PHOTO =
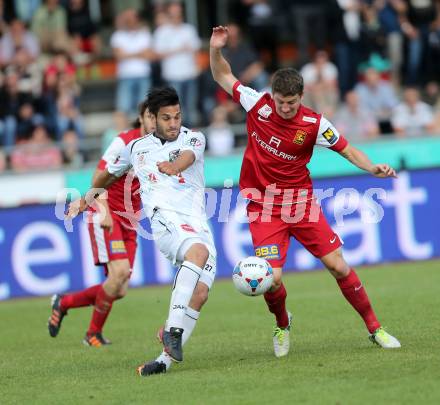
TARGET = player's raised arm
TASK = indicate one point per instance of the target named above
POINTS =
(101, 181)
(185, 160)
(103, 178)
(220, 68)
(361, 160)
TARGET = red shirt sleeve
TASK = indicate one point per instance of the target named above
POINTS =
(235, 92)
(340, 145)
(102, 164)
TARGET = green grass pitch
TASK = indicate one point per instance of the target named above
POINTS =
(229, 359)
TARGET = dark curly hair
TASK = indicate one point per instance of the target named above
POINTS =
(287, 82)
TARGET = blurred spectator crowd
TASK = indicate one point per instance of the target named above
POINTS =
(370, 66)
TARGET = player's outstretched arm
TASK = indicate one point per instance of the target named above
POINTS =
(361, 160)
(102, 179)
(103, 207)
(220, 68)
(185, 160)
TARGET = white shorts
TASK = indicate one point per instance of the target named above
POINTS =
(175, 233)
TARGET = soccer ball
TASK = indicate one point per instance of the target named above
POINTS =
(252, 276)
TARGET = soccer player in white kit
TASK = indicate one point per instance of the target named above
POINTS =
(169, 165)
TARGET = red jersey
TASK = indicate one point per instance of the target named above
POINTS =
(274, 168)
(123, 195)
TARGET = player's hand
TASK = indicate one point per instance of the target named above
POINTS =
(383, 170)
(107, 222)
(219, 37)
(168, 168)
(76, 207)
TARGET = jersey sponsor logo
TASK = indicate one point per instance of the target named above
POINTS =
(117, 246)
(300, 137)
(271, 149)
(187, 228)
(152, 177)
(330, 136)
(268, 252)
(274, 140)
(310, 119)
(265, 111)
(173, 155)
(141, 157)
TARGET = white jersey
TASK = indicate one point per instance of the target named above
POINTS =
(184, 193)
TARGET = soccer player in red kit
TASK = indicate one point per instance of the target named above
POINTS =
(112, 230)
(274, 177)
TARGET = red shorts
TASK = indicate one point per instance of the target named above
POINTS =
(271, 230)
(106, 246)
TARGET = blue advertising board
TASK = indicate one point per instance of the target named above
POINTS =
(379, 220)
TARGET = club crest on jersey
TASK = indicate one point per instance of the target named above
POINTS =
(330, 136)
(265, 111)
(195, 142)
(174, 154)
(300, 137)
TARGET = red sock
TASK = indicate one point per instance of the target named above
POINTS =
(276, 301)
(356, 295)
(80, 299)
(103, 306)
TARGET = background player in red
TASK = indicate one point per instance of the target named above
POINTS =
(274, 177)
(112, 230)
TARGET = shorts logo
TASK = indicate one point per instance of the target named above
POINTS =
(187, 228)
(117, 246)
(300, 137)
(330, 136)
(268, 252)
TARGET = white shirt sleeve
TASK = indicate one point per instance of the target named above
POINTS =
(246, 96)
(328, 135)
(114, 149)
(195, 142)
(120, 163)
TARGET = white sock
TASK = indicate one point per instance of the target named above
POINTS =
(184, 283)
(189, 323)
(165, 359)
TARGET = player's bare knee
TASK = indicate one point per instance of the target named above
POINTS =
(122, 291)
(119, 272)
(197, 254)
(277, 279)
(276, 284)
(337, 265)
